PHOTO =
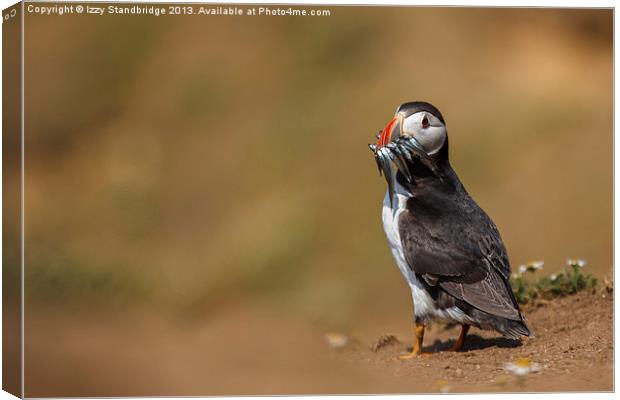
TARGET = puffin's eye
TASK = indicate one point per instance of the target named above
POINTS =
(425, 123)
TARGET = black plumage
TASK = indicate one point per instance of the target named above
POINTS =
(452, 244)
(448, 241)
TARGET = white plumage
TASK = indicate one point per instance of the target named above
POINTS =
(424, 306)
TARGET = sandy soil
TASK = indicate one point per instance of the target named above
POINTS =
(245, 350)
(573, 347)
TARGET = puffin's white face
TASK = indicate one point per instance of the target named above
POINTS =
(420, 135)
(426, 129)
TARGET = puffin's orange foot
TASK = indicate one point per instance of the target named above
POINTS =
(409, 356)
(414, 354)
(458, 345)
(417, 344)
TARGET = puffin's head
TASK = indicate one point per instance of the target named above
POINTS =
(419, 122)
(417, 130)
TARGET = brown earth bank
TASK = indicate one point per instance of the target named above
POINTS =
(256, 350)
(572, 348)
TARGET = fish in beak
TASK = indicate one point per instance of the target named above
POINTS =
(383, 156)
(394, 147)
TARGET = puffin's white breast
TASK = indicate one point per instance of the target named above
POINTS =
(391, 216)
(424, 306)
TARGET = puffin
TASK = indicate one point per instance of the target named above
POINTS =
(447, 248)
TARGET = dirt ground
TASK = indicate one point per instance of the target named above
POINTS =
(572, 345)
(243, 350)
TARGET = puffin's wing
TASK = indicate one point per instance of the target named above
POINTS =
(467, 260)
(490, 294)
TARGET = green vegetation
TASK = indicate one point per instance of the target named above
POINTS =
(527, 287)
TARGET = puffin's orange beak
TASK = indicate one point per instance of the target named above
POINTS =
(386, 133)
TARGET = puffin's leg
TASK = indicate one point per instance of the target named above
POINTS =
(458, 345)
(418, 330)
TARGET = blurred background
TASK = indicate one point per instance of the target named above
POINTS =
(201, 204)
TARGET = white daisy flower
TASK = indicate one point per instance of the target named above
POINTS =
(336, 340)
(580, 262)
(522, 366)
(536, 265)
(443, 385)
(532, 266)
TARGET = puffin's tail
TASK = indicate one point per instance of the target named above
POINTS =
(510, 328)
(514, 329)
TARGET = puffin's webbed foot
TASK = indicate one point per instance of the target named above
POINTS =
(413, 354)
(458, 345)
(418, 330)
